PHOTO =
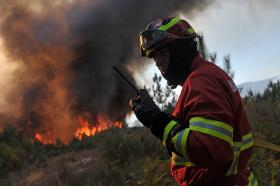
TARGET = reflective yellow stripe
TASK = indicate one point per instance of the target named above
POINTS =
(179, 160)
(170, 24)
(236, 152)
(212, 122)
(212, 127)
(184, 142)
(225, 132)
(167, 130)
(179, 141)
(236, 148)
(190, 31)
(148, 52)
(252, 180)
(247, 136)
(247, 142)
(233, 168)
(174, 141)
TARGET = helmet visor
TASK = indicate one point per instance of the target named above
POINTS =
(150, 37)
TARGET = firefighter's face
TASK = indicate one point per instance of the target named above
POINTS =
(161, 58)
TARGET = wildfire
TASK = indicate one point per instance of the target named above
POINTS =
(39, 137)
(45, 138)
(85, 128)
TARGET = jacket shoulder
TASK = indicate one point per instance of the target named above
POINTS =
(213, 73)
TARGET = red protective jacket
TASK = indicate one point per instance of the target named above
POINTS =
(214, 147)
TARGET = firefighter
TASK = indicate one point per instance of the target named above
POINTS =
(208, 132)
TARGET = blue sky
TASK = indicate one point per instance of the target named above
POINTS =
(248, 30)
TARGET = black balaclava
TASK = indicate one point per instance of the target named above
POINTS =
(181, 52)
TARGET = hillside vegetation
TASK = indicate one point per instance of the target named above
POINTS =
(128, 156)
(263, 112)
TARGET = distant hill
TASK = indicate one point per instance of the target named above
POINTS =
(256, 86)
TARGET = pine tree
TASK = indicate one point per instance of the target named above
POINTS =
(164, 97)
(202, 49)
(201, 46)
(227, 66)
(213, 57)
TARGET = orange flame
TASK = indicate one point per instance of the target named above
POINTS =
(87, 129)
(44, 138)
(38, 137)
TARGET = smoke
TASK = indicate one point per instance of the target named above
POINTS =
(65, 51)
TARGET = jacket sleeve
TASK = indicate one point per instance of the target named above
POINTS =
(206, 140)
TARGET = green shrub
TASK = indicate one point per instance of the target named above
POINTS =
(263, 112)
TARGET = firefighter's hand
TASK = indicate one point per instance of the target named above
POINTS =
(144, 108)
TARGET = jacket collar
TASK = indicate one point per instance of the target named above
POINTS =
(196, 62)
